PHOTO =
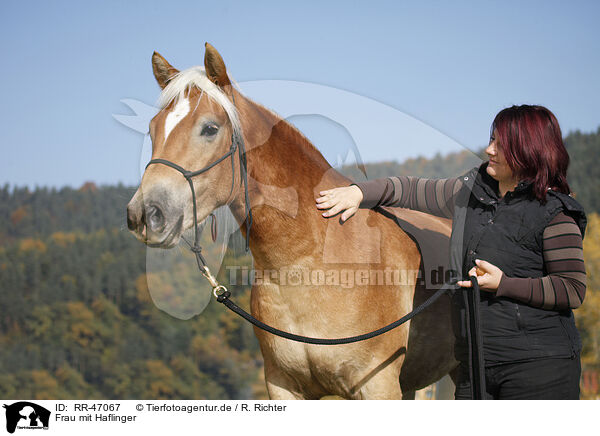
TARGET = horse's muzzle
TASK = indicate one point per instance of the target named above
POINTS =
(156, 223)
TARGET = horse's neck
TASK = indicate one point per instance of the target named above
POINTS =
(285, 174)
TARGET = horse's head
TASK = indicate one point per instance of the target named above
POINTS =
(192, 129)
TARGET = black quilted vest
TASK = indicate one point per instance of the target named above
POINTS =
(507, 232)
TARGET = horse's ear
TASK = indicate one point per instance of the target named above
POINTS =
(163, 71)
(215, 67)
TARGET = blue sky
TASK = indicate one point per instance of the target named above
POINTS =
(449, 66)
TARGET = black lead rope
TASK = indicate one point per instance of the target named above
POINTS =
(476, 360)
(225, 300)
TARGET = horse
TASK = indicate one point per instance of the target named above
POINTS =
(200, 112)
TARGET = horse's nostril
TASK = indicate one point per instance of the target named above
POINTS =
(154, 218)
(131, 221)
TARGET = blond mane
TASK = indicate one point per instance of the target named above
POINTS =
(195, 77)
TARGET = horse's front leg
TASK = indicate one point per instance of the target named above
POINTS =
(281, 386)
(384, 386)
(381, 380)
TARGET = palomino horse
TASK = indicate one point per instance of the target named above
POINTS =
(200, 110)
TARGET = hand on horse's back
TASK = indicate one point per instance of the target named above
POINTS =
(345, 199)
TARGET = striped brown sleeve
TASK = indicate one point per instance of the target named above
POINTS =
(564, 286)
(433, 196)
(376, 192)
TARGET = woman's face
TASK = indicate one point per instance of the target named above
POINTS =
(498, 167)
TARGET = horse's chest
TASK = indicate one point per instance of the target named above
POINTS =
(310, 364)
(294, 358)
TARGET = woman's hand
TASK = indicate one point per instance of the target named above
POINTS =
(345, 199)
(488, 276)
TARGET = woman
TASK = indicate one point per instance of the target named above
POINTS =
(517, 229)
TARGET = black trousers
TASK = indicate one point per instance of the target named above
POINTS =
(542, 379)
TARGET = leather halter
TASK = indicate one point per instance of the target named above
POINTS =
(237, 143)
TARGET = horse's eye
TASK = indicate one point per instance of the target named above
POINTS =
(209, 130)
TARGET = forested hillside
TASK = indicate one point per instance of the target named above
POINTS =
(77, 320)
(584, 172)
(450, 165)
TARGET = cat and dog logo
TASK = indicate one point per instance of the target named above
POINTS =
(26, 415)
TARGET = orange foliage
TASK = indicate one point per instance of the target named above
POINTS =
(590, 385)
(45, 384)
(141, 286)
(17, 216)
(88, 187)
(63, 239)
(68, 280)
(162, 378)
(79, 311)
(588, 315)
(591, 251)
(31, 244)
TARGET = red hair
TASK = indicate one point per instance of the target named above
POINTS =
(531, 141)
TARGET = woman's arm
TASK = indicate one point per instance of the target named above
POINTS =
(564, 286)
(433, 196)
